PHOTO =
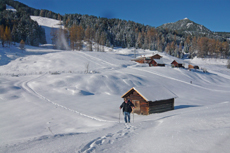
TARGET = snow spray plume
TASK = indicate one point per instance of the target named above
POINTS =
(60, 38)
(61, 42)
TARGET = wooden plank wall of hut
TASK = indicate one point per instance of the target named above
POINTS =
(161, 106)
(144, 108)
(143, 104)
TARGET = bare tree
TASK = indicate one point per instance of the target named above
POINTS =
(87, 67)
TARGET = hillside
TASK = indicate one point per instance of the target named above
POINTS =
(68, 101)
(50, 104)
(119, 33)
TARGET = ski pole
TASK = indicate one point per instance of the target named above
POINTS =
(119, 115)
(133, 117)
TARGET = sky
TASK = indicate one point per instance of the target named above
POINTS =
(213, 14)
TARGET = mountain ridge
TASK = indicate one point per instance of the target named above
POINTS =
(126, 34)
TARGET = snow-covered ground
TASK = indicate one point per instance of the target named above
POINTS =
(49, 104)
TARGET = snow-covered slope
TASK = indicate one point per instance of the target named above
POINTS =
(50, 104)
(48, 24)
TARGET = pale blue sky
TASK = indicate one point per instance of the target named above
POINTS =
(213, 14)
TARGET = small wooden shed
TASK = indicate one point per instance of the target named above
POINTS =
(176, 64)
(148, 100)
(190, 66)
(139, 60)
(156, 62)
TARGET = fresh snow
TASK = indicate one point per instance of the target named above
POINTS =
(10, 8)
(154, 93)
(189, 24)
(50, 104)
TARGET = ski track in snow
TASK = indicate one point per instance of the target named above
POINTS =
(101, 144)
(98, 59)
(90, 60)
(179, 80)
(26, 87)
(107, 140)
(110, 138)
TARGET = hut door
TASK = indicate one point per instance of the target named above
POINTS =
(137, 108)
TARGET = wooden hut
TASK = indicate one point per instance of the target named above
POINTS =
(196, 67)
(190, 66)
(156, 62)
(148, 100)
(139, 60)
(176, 64)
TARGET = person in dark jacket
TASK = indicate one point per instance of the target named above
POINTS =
(127, 106)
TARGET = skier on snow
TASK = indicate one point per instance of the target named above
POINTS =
(127, 106)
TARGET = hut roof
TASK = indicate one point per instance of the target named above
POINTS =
(159, 61)
(156, 56)
(153, 93)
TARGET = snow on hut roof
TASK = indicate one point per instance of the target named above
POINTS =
(159, 61)
(154, 93)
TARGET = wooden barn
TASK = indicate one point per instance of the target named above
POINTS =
(196, 67)
(140, 60)
(148, 100)
(156, 62)
(176, 64)
(190, 66)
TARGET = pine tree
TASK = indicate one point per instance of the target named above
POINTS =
(97, 39)
(42, 13)
(13, 33)
(59, 17)
(180, 48)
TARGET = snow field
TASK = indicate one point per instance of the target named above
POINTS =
(49, 104)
